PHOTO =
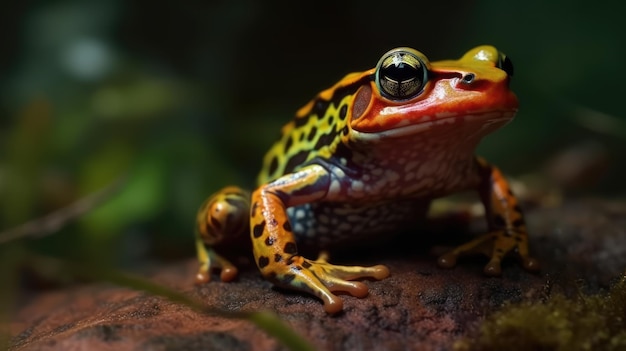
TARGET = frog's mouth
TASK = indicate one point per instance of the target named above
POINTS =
(476, 122)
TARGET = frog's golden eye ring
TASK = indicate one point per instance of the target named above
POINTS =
(401, 74)
(505, 64)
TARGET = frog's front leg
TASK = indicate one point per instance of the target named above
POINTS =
(222, 218)
(275, 248)
(507, 229)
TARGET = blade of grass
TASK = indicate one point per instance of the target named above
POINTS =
(265, 320)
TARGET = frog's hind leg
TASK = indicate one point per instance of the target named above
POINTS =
(222, 218)
(507, 227)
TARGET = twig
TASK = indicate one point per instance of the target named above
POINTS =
(56, 220)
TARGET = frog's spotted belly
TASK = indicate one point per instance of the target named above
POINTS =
(327, 223)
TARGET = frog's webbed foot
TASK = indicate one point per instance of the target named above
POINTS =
(322, 279)
(495, 245)
(506, 222)
(223, 217)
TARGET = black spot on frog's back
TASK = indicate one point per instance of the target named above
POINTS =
(296, 160)
(288, 143)
(273, 165)
(312, 133)
(321, 106)
(300, 122)
(326, 139)
(343, 112)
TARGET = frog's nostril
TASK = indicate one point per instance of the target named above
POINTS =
(468, 78)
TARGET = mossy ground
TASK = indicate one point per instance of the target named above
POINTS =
(584, 322)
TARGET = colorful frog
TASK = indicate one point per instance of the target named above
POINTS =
(366, 157)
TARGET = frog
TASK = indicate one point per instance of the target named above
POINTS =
(365, 158)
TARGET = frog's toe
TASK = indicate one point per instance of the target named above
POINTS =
(347, 273)
(333, 304)
(379, 272)
(202, 277)
(323, 279)
(530, 264)
(495, 245)
(493, 268)
(447, 260)
(212, 261)
(227, 273)
(356, 289)
(340, 278)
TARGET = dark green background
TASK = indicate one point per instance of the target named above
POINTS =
(185, 96)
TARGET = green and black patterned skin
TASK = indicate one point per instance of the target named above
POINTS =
(366, 157)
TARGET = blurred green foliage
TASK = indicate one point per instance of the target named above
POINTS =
(184, 97)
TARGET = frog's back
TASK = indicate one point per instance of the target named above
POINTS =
(315, 132)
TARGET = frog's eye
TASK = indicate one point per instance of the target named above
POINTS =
(505, 64)
(401, 74)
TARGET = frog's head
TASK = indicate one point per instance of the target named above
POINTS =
(408, 94)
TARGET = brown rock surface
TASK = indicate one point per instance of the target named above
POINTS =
(420, 307)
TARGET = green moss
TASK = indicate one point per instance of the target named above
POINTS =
(586, 322)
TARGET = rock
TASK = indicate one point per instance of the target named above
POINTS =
(419, 307)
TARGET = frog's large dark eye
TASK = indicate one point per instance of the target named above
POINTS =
(401, 74)
(505, 64)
